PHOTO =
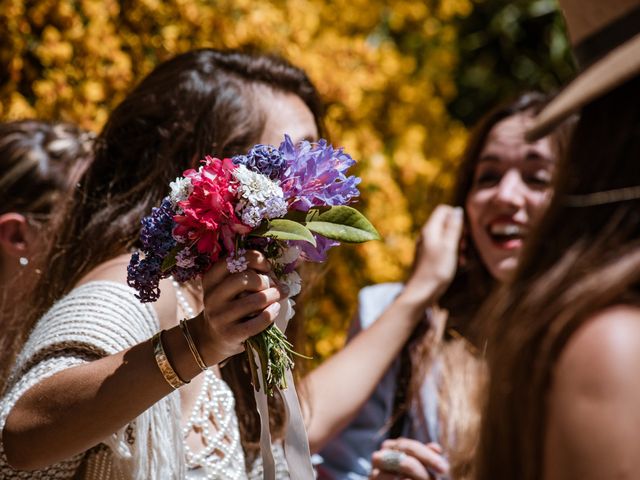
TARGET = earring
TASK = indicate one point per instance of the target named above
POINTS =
(24, 261)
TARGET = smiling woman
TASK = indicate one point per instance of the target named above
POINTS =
(511, 187)
(427, 405)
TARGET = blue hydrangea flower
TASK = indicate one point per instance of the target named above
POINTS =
(264, 159)
(316, 175)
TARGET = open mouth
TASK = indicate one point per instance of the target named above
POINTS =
(507, 235)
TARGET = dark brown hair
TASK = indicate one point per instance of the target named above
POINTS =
(470, 287)
(39, 162)
(579, 261)
(201, 102)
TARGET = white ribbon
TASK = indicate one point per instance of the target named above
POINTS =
(296, 443)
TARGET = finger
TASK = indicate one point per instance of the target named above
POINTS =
(254, 325)
(435, 224)
(377, 474)
(427, 456)
(236, 283)
(252, 304)
(435, 447)
(215, 275)
(452, 226)
(407, 466)
(257, 261)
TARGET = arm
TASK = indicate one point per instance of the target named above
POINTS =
(593, 420)
(338, 388)
(77, 408)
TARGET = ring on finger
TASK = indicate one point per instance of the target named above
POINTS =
(391, 460)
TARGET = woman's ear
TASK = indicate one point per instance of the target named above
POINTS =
(16, 237)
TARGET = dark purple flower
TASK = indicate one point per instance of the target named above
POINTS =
(264, 159)
(144, 274)
(316, 175)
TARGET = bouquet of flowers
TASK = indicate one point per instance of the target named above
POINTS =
(289, 203)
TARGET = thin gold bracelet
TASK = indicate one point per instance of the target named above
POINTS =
(164, 365)
(192, 345)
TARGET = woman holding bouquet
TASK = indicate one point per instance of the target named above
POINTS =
(423, 417)
(91, 392)
(92, 388)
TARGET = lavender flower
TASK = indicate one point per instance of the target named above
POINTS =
(316, 175)
(264, 159)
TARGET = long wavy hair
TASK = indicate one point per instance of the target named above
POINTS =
(201, 102)
(579, 261)
(456, 347)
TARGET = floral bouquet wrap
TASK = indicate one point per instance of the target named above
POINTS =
(290, 203)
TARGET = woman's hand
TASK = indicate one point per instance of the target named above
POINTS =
(436, 257)
(407, 458)
(236, 307)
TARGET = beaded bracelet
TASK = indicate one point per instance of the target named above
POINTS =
(164, 365)
(192, 345)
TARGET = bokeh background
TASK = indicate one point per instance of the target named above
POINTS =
(403, 82)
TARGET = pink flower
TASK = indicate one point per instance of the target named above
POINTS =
(209, 219)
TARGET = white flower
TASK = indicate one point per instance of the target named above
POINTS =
(185, 258)
(252, 216)
(181, 188)
(294, 282)
(237, 262)
(254, 187)
(289, 255)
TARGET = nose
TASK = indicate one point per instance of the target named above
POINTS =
(511, 189)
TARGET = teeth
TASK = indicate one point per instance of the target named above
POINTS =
(506, 229)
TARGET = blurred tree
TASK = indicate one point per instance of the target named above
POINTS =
(387, 70)
(505, 47)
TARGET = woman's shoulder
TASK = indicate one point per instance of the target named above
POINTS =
(603, 349)
(594, 398)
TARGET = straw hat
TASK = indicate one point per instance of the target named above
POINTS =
(605, 35)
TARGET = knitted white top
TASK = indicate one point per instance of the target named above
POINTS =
(102, 318)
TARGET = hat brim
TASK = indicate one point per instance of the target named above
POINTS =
(618, 66)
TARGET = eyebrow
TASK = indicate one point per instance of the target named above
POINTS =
(532, 156)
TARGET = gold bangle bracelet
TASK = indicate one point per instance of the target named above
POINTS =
(192, 345)
(164, 365)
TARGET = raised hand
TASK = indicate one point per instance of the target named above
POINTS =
(436, 257)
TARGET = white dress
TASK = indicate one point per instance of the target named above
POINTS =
(102, 318)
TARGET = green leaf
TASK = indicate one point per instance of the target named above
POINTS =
(170, 260)
(283, 229)
(342, 223)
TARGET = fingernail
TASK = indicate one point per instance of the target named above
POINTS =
(275, 308)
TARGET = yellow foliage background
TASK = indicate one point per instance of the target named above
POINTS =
(384, 69)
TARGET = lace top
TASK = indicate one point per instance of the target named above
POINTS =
(103, 318)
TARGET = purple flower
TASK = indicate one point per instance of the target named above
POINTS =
(317, 253)
(264, 159)
(156, 230)
(144, 274)
(316, 175)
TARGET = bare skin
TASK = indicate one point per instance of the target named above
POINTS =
(338, 388)
(56, 418)
(593, 420)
